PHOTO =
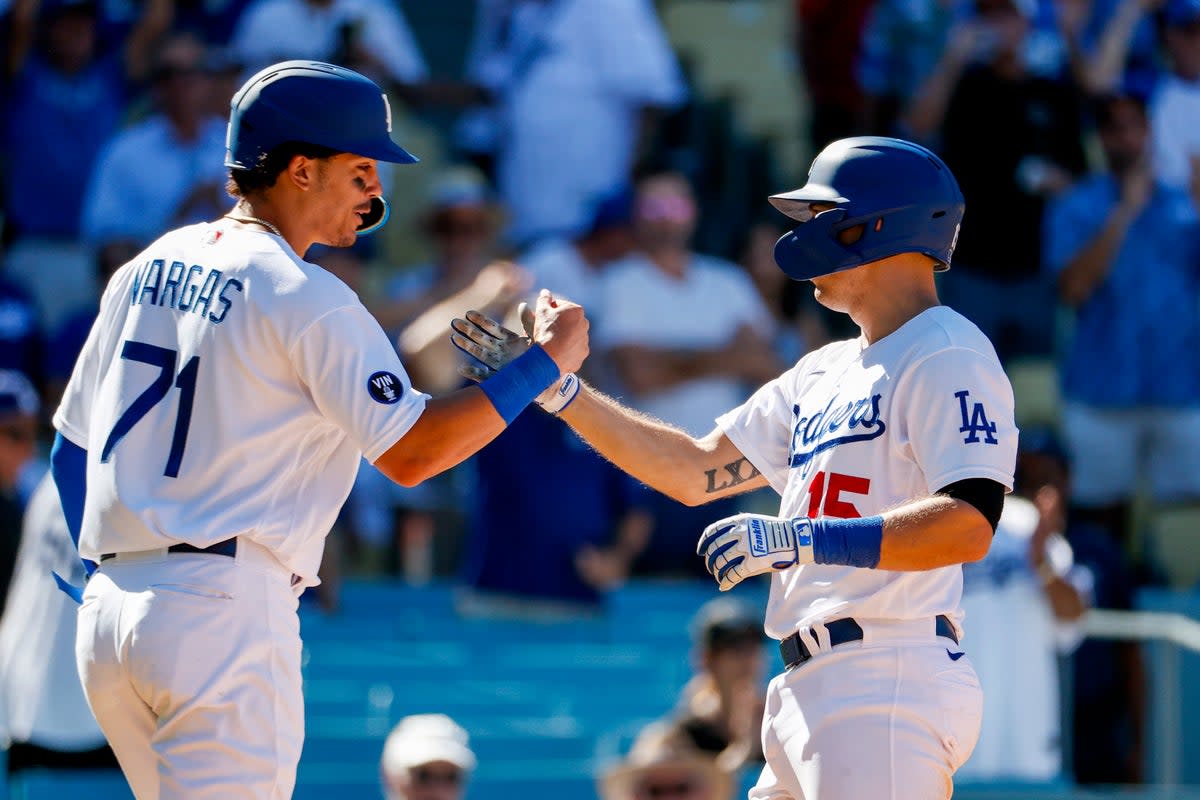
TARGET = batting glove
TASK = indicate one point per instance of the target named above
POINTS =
(737, 547)
(491, 346)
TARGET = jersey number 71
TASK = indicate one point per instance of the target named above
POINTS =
(185, 381)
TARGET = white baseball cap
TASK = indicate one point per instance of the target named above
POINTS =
(423, 739)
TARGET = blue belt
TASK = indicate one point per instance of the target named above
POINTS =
(794, 652)
(228, 547)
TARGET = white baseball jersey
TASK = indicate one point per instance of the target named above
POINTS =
(1003, 595)
(853, 430)
(228, 388)
(41, 700)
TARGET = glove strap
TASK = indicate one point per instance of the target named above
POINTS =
(520, 382)
(564, 395)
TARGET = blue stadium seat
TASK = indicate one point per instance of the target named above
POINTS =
(56, 785)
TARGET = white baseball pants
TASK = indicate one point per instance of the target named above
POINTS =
(191, 664)
(887, 718)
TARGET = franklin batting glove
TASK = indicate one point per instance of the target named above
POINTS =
(737, 547)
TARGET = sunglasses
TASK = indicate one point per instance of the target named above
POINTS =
(424, 776)
(661, 789)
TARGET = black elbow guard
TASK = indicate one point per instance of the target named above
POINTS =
(984, 494)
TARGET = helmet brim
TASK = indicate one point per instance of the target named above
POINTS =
(386, 151)
(795, 203)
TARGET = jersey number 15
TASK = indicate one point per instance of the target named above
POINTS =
(185, 381)
(825, 495)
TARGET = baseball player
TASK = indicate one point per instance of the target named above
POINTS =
(892, 453)
(213, 426)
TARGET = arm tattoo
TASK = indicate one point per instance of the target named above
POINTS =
(735, 473)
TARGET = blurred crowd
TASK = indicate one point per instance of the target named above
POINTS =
(575, 151)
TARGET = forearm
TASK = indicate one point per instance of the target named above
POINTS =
(934, 532)
(655, 369)
(450, 429)
(1102, 72)
(1091, 266)
(692, 471)
(21, 31)
(924, 116)
(430, 327)
(156, 19)
(1065, 600)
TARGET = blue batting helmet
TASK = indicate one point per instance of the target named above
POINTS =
(315, 103)
(902, 194)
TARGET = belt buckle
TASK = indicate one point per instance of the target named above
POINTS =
(793, 651)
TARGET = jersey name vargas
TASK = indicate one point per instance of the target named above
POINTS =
(840, 422)
(194, 289)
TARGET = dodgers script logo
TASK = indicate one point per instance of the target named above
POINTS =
(840, 422)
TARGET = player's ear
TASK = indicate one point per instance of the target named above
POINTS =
(302, 171)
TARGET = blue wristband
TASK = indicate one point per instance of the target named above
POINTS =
(849, 542)
(520, 382)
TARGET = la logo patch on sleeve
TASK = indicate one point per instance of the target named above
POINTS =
(384, 387)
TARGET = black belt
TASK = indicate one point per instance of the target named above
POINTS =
(228, 547)
(794, 652)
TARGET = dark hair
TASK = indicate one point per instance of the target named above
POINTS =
(264, 173)
(1104, 106)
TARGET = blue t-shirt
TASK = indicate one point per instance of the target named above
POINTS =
(54, 128)
(67, 342)
(541, 495)
(1136, 338)
(21, 342)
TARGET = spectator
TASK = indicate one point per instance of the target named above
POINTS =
(1027, 589)
(64, 100)
(511, 516)
(686, 333)
(902, 43)
(574, 87)
(829, 38)
(1175, 109)
(1124, 249)
(1108, 679)
(1013, 138)
(168, 170)
(370, 36)
(44, 718)
(1122, 47)
(721, 707)
(662, 764)
(21, 338)
(461, 224)
(574, 268)
(799, 324)
(426, 757)
(18, 436)
(394, 526)
(66, 342)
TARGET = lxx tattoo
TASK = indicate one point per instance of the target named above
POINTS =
(733, 474)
